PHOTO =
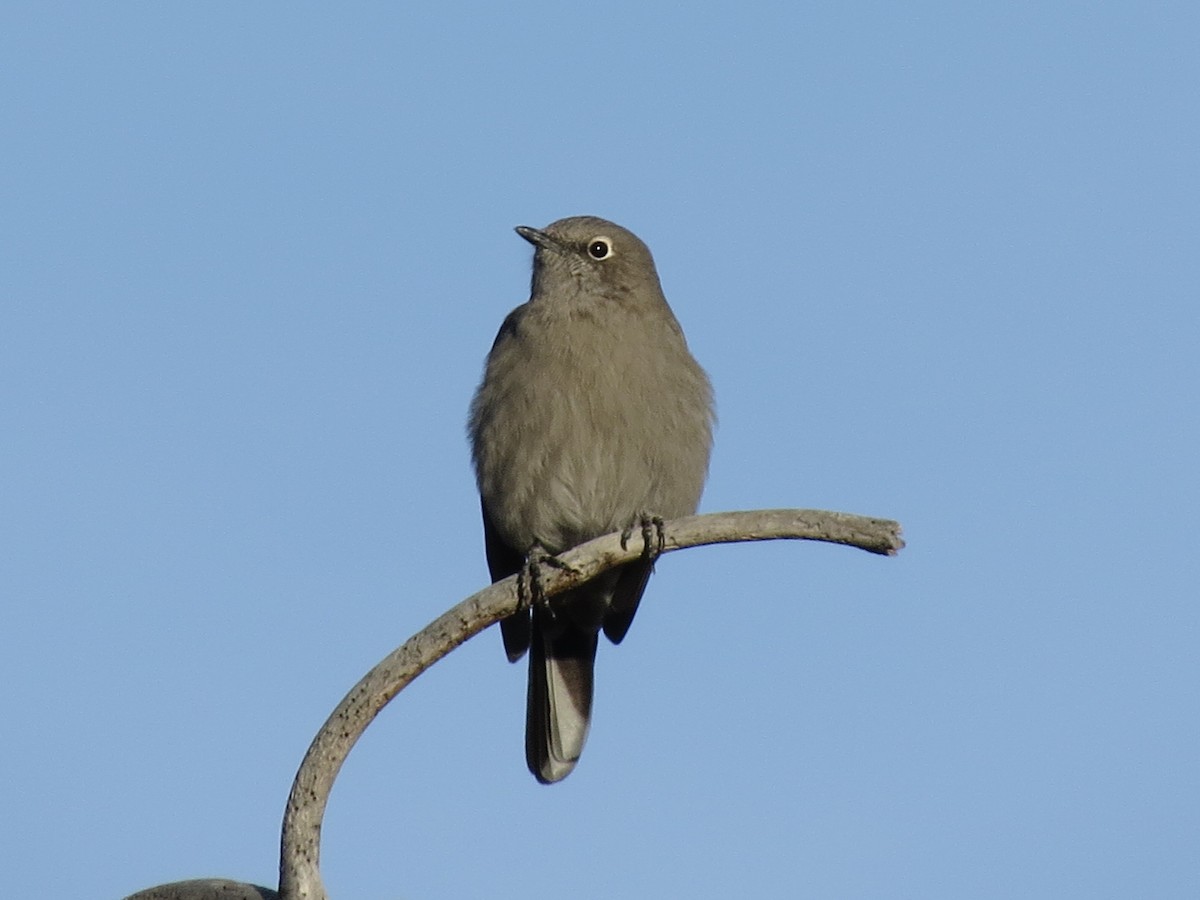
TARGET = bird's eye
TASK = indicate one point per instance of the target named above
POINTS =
(599, 248)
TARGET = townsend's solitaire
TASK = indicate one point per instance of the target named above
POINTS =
(592, 417)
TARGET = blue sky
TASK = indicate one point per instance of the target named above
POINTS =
(940, 261)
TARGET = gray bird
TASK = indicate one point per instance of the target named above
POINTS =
(592, 417)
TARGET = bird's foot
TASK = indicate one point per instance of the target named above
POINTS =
(654, 537)
(530, 590)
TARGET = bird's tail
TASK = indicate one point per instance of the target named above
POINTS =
(558, 706)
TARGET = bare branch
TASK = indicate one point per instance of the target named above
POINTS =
(299, 876)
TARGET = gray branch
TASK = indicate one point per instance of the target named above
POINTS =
(299, 871)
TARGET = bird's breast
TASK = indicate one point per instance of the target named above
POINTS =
(587, 431)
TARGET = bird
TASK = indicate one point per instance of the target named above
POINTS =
(592, 416)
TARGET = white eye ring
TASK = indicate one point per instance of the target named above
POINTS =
(600, 247)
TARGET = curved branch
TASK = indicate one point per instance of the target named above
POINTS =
(299, 875)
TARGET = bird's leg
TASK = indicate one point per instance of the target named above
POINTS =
(529, 581)
(654, 537)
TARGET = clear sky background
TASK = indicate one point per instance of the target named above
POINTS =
(942, 263)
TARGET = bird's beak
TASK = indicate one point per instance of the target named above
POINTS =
(539, 239)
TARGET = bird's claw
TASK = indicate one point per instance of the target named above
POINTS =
(654, 536)
(530, 590)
